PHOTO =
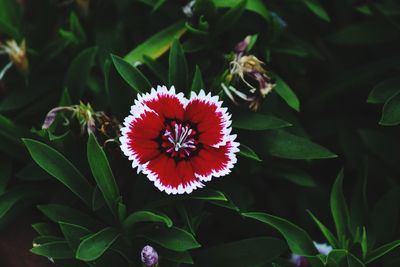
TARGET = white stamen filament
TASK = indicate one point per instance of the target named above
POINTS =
(180, 139)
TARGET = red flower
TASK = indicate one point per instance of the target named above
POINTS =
(177, 142)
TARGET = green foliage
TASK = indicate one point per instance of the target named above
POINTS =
(60, 168)
(130, 74)
(333, 67)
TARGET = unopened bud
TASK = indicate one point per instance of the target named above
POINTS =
(149, 256)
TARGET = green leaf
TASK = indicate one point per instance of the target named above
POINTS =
(157, 68)
(131, 75)
(298, 240)
(336, 256)
(102, 173)
(75, 34)
(228, 20)
(339, 209)
(284, 91)
(178, 69)
(73, 233)
(146, 216)
(60, 168)
(353, 261)
(95, 245)
(317, 9)
(256, 6)
(172, 238)
(79, 71)
(209, 194)
(383, 91)
(249, 153)
(197, 83)
(364, 243)
(391, 111)
(76, 27)
(282, 144)
(54, 250)
(59, 213)
(325, 231)
(156, 45)
(257, 121)
(381, 251)
(248, 252)
(45, 229)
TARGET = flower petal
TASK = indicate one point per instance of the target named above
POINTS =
(215, 161)
(172, 176)
(139, 134)
(164, 102)
(212, 120)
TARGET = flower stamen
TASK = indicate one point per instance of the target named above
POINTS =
(179, 140)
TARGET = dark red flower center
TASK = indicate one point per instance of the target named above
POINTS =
(179, 139)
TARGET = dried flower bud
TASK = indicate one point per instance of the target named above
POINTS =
(188, 9)
(149, 256)
(242, 46)
(51, 116)
(249, 67)
(17, 55)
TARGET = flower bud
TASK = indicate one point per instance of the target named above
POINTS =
(149, 256)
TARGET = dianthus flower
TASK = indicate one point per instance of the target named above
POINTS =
(178, 142)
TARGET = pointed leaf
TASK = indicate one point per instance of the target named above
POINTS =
(102, 173)
(59, 213)
(73, 233)
(146, 216)
(156, 45)
(391, 111)
(93, 246)
(325, 231)
(54, 250)
(60, 168)
(178, 69)
(172, 238)
(298, 240)
(157, 68)
(381, 251)
(384, 90)
(197, 83)
(247, 152)
(339, 209)
(284, 91)
(131, 75)
(257, 121)
(317, 9)
(79, 71)
(282, 144)
(353, 261)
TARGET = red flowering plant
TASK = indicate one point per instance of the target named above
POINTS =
(206, 140)
(177, 142)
